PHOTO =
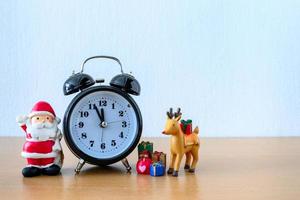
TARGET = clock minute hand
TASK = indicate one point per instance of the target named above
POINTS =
(102, 114)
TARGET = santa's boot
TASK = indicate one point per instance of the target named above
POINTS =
(31, 171)
(52, 170)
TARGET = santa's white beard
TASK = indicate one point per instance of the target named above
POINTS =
(42, 131)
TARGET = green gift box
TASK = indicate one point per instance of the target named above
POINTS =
(186, 126)
(145, 147)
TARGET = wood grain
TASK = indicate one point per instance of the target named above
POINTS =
(260, 168)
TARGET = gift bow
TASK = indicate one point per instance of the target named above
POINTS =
(157, 164)
(144, 153)
(158, 154)
(186, 122)
(145, 143)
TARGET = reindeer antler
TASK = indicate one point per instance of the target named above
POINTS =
(178, 113)
(170, 113)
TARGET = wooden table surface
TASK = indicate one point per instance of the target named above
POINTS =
(264, 168)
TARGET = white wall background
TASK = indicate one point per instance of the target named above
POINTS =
(233, 66)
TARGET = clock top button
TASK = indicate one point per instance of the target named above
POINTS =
(101, 80)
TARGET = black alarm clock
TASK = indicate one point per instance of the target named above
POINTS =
(103, 124)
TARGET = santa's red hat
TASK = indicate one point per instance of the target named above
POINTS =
(43, 108)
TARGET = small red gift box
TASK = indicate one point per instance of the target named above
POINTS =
(186, 126)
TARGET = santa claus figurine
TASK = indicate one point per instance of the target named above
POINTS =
(42, 148)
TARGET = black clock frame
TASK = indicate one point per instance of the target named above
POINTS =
(67, 134)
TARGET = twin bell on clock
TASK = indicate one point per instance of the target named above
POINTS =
(102, 124)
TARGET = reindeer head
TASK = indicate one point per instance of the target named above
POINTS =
(172, 126)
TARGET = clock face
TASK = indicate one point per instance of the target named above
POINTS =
(104, 124)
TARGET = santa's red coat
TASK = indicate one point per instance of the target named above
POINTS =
(38, 153)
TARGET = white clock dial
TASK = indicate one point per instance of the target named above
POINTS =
(108, 137)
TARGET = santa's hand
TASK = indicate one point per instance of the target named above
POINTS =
(21, 119)
(56, 146)
(59, 134)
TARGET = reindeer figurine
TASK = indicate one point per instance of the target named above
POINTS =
(181, 144)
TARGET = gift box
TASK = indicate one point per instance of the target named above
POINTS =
(143, 166)
(159, 157)
(186, 126)
(157, 169)
(145, 147)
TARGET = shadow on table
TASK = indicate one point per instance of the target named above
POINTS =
(96, 170)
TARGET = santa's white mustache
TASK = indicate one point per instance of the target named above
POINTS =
(42, 125)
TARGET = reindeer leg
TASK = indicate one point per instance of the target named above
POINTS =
(195, 159)
(188, 156)
(171, 166)
(177, 164)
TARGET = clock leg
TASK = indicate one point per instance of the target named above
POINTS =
(126, 164)
(79, 166)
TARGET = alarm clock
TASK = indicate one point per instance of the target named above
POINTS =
(102, 124)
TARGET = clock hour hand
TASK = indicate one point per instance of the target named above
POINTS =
(103, 124)
(101, 117)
